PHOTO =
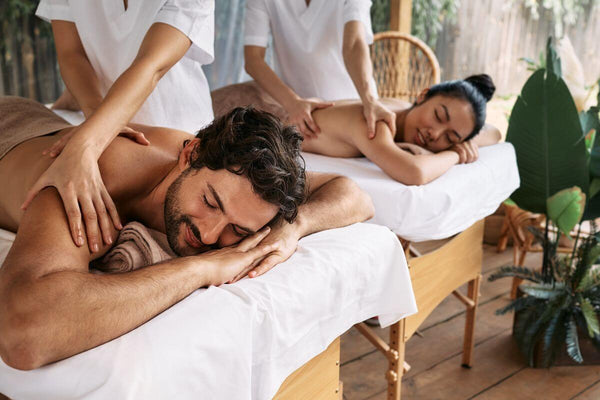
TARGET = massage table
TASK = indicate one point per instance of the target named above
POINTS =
(452, 206)
(273, 336)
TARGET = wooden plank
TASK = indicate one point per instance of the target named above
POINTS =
(590, 393)
(556, 383)
(317, 379)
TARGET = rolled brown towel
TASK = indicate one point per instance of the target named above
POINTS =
(136, 247)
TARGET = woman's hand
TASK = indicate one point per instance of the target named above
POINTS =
(126, 132)
(375, 111)
(413, 149)
(76, 176)
(300, 114)
(230, 262)
(468, 152)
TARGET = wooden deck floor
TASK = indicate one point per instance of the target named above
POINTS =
(499, 371)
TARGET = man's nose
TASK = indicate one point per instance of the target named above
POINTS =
(212, 231)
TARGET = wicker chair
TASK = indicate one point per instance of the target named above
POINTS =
(403, 65)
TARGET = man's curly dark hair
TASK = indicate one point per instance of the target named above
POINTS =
(257, 145)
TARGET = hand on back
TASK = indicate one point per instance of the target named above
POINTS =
(375, 111)
(75, 174)
(300, 114)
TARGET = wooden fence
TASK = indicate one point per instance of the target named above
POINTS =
(491, 35)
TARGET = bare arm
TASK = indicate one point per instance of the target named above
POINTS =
(75, 172)
(488, 136)
(299, 109)
(51, 307)
(75, 68)
(334, 201)
(358, 64)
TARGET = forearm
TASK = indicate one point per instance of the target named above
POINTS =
(120, 104)
(358, 64)
(81, 80)
(260, 71)
(432, 166)
(337, 203)
(65, 313)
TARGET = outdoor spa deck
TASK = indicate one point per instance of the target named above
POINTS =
(498, 372)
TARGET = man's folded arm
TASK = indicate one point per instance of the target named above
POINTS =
(51, 307)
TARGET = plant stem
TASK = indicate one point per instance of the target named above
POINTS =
(575, 245)
(546, 247)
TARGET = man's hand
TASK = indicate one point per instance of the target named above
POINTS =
(284, 236)
(375, 111)
(300, 114)
(468, 152)
(228, 264)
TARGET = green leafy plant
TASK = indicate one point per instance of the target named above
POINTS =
(558, 154)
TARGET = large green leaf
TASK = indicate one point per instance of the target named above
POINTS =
(545, 130)
(565, 209)
(591, 318)
(572, 341)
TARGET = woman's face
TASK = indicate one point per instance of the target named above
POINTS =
(438, 123)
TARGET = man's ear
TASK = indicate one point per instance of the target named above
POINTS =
(186, 153)
(421, 96)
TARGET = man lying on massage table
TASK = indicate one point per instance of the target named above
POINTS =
(440, 130)
(220, 190)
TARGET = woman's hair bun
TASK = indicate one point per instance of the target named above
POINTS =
(484, 84)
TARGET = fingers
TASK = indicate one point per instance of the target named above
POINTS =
(265, 265)
(323, 105)
(254, 256)
(370, 125)
(69, 199)
(57, 147)
(35, 189)
(306, 131)
(252, 241)
(312, 125)
(104, 220)
(134, 135)
(112, 209)
(90, 218)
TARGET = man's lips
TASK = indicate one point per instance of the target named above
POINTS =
(191, 239)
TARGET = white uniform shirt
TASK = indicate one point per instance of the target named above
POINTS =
(307, 42)
(111, 37)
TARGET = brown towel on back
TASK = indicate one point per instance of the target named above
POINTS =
(136, 247)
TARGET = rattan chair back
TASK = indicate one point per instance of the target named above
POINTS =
(403, 65)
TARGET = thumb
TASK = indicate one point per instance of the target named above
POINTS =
(370, 125)
(324, 105)
(35, 189)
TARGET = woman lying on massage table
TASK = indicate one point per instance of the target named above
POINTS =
(441, 129)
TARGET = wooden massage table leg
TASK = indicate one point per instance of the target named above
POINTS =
(396, 360)
(469, 339)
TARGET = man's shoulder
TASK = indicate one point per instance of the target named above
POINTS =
(130, 169)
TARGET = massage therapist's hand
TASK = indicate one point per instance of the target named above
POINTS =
(126, 132)
(229, 262)
(300, 114)
(375, 111)
(76, 176)
(285, 237)
(468, 152)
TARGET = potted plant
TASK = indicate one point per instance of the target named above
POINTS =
(558, 154)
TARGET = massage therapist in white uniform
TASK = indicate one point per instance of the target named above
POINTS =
(122, 61)
(321, 55)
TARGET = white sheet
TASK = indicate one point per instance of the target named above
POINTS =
(239, 341)
(440, 209)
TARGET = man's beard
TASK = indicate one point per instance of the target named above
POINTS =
(174, 219)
